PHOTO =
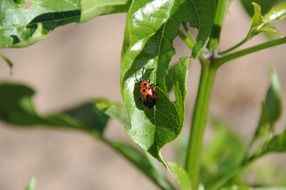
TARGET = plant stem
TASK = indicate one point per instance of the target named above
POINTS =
(187, 39)
(234, 47)
(240, 53)
(199, 120)
(221, 8)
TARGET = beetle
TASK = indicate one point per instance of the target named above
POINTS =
(148, 94)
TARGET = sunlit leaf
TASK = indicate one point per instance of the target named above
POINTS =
(21, 26)
(277, 13)
(23, 23)
(264, 23)
(152, 27)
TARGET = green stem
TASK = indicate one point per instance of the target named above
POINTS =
(187, 39)
(222, 60)
(221, 8)
(199, 120)
(234, 47)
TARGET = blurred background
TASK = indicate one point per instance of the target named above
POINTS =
(81, 61)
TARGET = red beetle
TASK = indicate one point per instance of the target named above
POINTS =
(148, 93)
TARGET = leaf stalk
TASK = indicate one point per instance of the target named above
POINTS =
(222, 60)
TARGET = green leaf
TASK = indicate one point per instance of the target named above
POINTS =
(93, 8)
(271, 110)
(180, 175)
(179, 76)
(265, 23)
(17, 108)
(20, 26)
(277, 13)
(257, 18)
(114, 110)
(152, 27)
(202, 18)
(16, 105)
(85, 117)
(32, 184)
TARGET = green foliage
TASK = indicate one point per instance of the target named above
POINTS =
(23, 23)
(147, 52)
(20, 26)
(264, 23)
(149, 47)
(17, 108)
(261, 24)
